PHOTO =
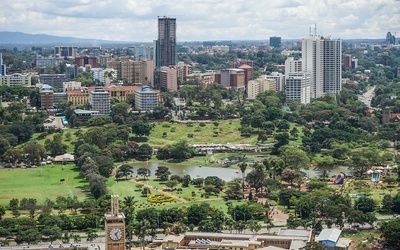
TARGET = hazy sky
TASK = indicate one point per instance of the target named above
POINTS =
(199, 20)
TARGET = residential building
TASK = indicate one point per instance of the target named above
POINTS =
(166, 44)
(350, 62)
(322, 58)
(297, 87)
(182, 70)
(46, 96)
(136, 72)
(99, 100)
(259, 85)
(285, 239)
(275, 41)
(279, 78)
(54, 80)
(65, 51)
(103, 59)
(86, 60)
(50, 61)
(104, 76)
(15, 79)
(233, 78)
(292, 66)
(146, 99)
(168, 78)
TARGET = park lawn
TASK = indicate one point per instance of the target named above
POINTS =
(41, 183)
(227, 133)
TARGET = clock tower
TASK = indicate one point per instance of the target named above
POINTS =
(115, 227)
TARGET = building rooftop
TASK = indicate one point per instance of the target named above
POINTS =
(330, 234)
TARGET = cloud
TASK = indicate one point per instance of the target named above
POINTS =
(128, 20)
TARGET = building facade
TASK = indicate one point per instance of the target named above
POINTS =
(3, 68)
(279, 78)
(99, 100)
(297, 87)
(54, 80)
(146, 99)
(65, 51)
(259, 85)
(136, 72)
(233, 78)
(46, 96)
(322, 58)
(15, 79)
(82, 61)
(41, 61)
(275, 41)
(166, 43)
(168, 78)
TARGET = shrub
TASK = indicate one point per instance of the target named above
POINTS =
(166, 125)
(164, 135)
(173, 129)
(202, 124)
(190, 135)
(159, 198)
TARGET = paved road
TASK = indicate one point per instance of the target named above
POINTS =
(367, 96)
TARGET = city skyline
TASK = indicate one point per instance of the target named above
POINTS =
(197, 20)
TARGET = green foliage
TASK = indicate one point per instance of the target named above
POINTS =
(159, 198)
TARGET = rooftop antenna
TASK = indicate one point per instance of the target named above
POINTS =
(315, 29)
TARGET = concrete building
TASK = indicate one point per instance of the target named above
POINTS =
(279, 78)
(54, 80)
(99, 100)
(141, 52)
(86, 60)
(221, 49)
(286, 239)
(248, 73)
(203, 79)
(46, 96)
(259, 85)
(65, 51)
(233, 78)
(136, 72)
(146, 99)
(275, 41)
(15, 79)
(103, 59)
(297, 87)
(168, 78)
(166, 44)
(350, 62)
(292, 66)
(71, 71)
(182, 70)
(71, 85)
(330, 237)
(50, 61)
(322, 58)
(104, 76)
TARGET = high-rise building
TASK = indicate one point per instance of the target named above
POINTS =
(54, 80)
(168, 78)
(82, 61)
(322, 58)
(275, 41)
(259, 85)
(279, 78)
(136, 72)
(390, 39)
(65, 51)
(46, 96)
(233, 78)
(297, 87)
(3, 68)
(99, 100)
(166, 44)
(291, 66)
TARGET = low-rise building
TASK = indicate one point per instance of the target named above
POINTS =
(259, 85)
(15, 79)
(46, 96)
(54, 80)
(330, 237)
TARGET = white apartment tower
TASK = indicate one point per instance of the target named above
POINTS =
(322, 58)
(297, 87)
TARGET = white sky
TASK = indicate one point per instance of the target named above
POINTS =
(201, 20)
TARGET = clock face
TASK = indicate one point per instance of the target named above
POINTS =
(115, 234)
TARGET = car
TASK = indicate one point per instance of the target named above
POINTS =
(396, 215)
(355, 226)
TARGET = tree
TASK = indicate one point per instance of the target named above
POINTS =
(387, 203)
(256, 177)
(30, 236)
(171, 184)
(52, 233)
(96, 136)
(181, 150)
(97, 185)
(325, 165)
(144, 152)
(162, 172)
(390, 232)
(289, 175)
(55, 146)
(141, 229)
(215, 181)
(13, 155)
(30, 205)
(364, 204)
(295, 158)
(233, 190)
(254, 226)
(141, 128)
(243, 167)
(144, 172)
(35, 151)
(2, 212)
(124, 170)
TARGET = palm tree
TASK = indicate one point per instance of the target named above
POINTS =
(243, 167)
(176, 228)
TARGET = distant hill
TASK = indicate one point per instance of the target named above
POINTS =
(19, 38)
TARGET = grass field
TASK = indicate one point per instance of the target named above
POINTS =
(41, 183)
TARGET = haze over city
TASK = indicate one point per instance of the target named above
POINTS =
(125, 20)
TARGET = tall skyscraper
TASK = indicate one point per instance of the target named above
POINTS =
(275, 41)
(166, 43)
(322, 58)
